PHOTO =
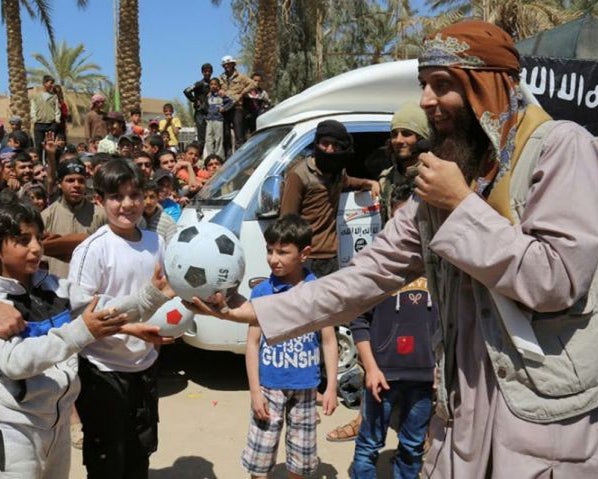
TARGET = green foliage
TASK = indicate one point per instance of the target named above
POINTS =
(353, 34)
(70, 67)
(78, 77)
(184, 111)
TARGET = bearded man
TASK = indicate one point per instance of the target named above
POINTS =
(500, 413)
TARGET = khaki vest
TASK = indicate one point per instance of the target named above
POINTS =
(565, 384)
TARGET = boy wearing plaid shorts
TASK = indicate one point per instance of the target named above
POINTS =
(283, 378)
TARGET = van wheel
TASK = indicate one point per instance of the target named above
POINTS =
(347, 352)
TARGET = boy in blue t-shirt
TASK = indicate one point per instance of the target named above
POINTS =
(283, 378)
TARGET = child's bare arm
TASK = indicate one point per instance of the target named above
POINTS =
(375, 380)
(330, 348)
(259, 404)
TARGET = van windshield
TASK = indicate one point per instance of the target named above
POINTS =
(229, 179)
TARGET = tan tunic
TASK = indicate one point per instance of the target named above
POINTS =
(315, 197)
(60, 218)
(94, 125)
(546, 263)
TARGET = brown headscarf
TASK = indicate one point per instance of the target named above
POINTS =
(484, 59)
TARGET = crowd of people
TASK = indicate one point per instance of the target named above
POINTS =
(481, 261)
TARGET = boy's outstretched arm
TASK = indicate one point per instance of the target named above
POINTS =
(259, 404)
(330, 348)
(24, 358)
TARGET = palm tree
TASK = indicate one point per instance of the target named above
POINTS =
(266, 41)
(17, 77)
(519, 18)
(71, 69)
(128, 62)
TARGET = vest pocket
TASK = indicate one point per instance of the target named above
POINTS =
(569, 342)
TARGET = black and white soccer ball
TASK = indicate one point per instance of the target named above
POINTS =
(203, 259)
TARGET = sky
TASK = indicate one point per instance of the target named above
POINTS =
(177, 37)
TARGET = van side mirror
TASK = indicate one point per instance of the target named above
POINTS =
(269, 197)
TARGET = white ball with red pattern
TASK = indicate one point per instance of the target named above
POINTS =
(173, 318)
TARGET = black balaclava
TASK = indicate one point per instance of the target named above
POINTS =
(333, 163)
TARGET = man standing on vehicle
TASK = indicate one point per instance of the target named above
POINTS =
(45, 112)
(197, 94)
(235, 85)
(493, 267)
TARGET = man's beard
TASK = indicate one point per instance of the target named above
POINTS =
(465, 145)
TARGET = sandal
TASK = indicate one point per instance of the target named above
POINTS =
(348, 432)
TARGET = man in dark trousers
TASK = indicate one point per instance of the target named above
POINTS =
(197, 94)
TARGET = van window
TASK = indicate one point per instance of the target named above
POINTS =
(229, 179)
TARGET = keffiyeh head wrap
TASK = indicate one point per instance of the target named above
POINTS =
(484, 59)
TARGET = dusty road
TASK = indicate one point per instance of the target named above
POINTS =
(204, 407)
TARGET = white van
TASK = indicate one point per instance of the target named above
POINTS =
(244, 195)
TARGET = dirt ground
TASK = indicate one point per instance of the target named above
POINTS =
(204, 407)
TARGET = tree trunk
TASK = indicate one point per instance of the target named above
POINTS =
(128, 63)
(17, 76)
(266, 42)
(319, 42)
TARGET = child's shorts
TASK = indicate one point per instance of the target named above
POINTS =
(298, 407)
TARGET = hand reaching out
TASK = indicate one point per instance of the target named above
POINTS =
(102, 323)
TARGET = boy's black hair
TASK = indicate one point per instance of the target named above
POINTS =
(163, 152)
(46, 78)
(14, 213)
(114, 173)
(169, 106)
(20, 156)
(216, 79)
(205, 66)
(142, 154)
(35, 189)
(70, 148)
(100, 158)
(62, 136)
(134, 111)
(20, 137)
(151, 185)
(193, 144)
(213, 156)
(289, 229)
(155, 140)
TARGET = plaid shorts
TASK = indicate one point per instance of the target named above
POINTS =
(298, 407)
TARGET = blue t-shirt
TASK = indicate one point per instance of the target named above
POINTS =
(293, 364)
